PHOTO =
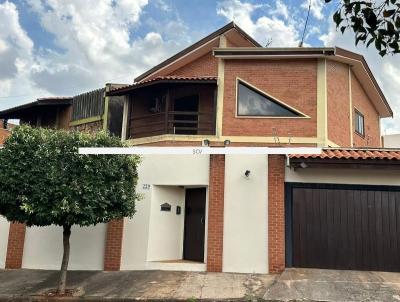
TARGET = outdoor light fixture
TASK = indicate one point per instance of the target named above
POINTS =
(247, 173)
(206, 142)
(227, 142)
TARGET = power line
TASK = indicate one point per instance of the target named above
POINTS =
(305, 25)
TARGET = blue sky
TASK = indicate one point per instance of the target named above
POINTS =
(65, 47)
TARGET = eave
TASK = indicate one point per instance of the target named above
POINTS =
(201, 47)
(56, 101)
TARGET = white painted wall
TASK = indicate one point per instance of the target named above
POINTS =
(344, 176)
(245, 214)
(43, 248)
(166, 170)
(166, 228)
(391, 141)
(4, 228)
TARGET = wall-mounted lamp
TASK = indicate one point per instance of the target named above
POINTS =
(303, 165)
(247, 173)
(206, 142)
(227, 142)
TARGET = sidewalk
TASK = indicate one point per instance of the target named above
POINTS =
(29, 285)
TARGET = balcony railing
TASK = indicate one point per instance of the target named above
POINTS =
(172, 122)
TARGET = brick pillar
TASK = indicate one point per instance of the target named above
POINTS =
(15, 246)
(113, 249)
(216, 213)
(276, 213)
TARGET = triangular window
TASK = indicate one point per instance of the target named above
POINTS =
(252, 102)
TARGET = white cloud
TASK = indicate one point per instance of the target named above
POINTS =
(282, 32)
(280, 9)
(96, 42)
(386, 70)
(316, 8)
(16, 57)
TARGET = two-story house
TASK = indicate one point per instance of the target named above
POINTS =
(245, 213)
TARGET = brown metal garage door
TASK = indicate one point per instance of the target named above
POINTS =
(343, 227)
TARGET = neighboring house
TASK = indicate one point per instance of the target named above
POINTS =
(5, 129)
(335, 210)
(391, 141)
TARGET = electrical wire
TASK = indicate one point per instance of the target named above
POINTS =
(305, 25)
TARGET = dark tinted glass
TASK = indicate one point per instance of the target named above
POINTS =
(252, 103)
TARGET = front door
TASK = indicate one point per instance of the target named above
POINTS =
(195, 211)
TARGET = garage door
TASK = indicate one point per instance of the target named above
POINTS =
(343, 227)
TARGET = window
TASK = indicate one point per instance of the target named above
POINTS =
(251, 102)
(359, 119)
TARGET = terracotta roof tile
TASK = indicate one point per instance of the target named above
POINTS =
(362, 154)
(166, 78)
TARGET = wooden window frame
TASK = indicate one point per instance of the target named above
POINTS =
(358, 114)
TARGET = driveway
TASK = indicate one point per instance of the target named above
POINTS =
(28, 285)
(334, 285)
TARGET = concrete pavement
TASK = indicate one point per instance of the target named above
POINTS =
(29, 285)
(334, 285)
(292, 285)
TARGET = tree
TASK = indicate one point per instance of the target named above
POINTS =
(44, 181)
(375, 22)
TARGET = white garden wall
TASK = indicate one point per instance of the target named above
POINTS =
(43, 248)
(4, 228)
(245, 214)
(166, 228)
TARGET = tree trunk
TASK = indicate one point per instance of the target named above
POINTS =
(65, 259)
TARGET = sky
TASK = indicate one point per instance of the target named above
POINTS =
(66, 47)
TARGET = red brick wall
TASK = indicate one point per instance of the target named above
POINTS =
(276, 213)
(371, 118)
(206, 65)
(338, 103)
(15, 247)
(3, 134)
(113, 249)
(293, 81)
(216, 213)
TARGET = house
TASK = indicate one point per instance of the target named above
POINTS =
(4, 131)
(205, 213)
(391, 141)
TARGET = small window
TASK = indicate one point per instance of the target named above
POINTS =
(359, 120)
(253, 103)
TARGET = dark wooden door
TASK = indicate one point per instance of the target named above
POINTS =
(195, 211)
(346, 228)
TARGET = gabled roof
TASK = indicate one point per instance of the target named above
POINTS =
(50, 101)
(356, 61)
(196, 45)
(163, 80)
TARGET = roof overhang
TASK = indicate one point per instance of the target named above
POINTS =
(161, 81)
(42, 102)
(383, 158)
(198, 49)
(356, 61)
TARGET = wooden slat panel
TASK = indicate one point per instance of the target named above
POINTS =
(88, 105)
(346, 229)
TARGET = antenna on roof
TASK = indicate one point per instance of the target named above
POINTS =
(305, 25)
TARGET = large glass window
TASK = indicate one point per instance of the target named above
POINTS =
(359, 120)
(252, 103)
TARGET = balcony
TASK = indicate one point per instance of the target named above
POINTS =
(172, 122)
(171, 105)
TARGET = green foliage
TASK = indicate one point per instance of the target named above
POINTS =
(375, 22)
(44, 181)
